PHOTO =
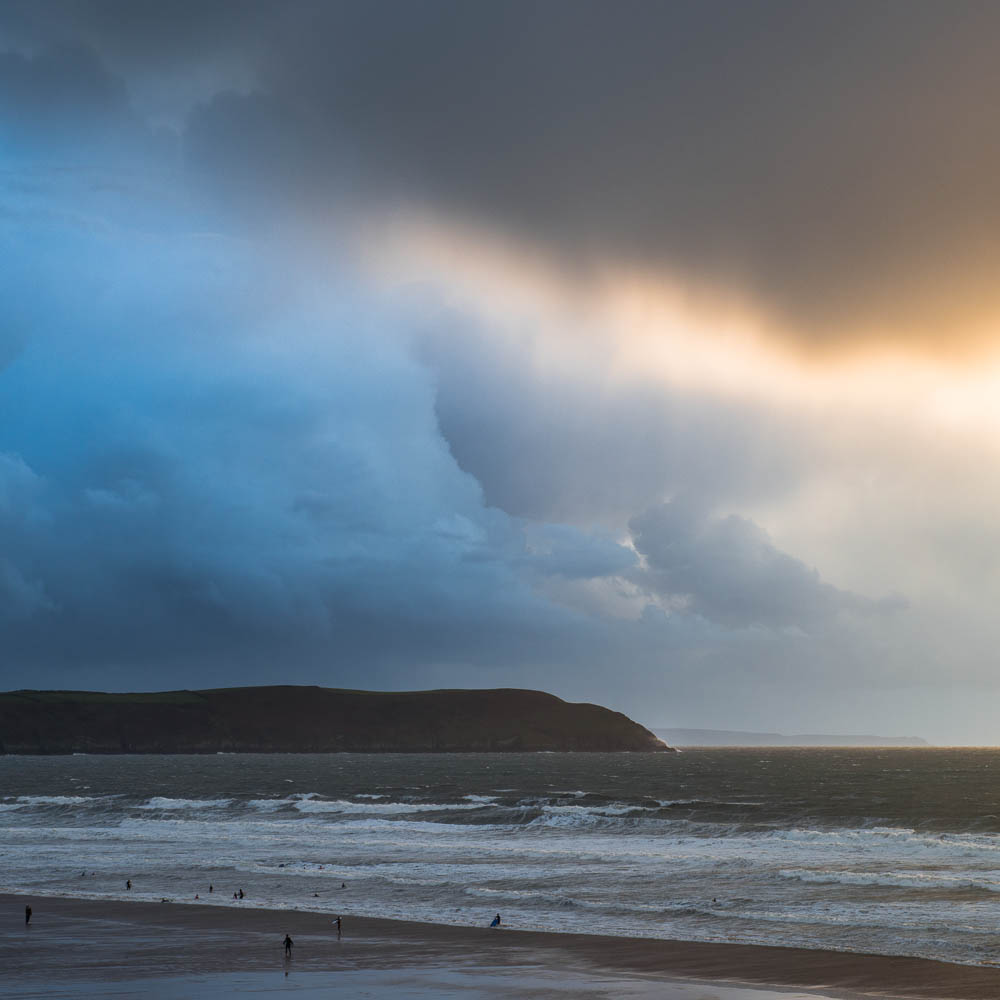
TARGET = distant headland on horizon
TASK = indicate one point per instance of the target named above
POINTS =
(737, 738)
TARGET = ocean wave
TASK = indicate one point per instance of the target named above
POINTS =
(892, 837)
(612, 815)
(708, 803)
(54, 800)
(317, 805)
(902, 880)
(362, 804)
(269, 805)
(159, 802)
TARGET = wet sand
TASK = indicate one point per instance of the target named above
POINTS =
(169, 950)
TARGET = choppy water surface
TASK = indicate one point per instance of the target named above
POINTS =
(893, 851)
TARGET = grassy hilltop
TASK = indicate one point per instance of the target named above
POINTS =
(310, 720)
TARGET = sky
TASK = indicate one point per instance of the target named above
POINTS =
(641, 352)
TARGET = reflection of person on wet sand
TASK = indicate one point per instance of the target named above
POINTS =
(288, 946)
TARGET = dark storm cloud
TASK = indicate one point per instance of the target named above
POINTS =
(209, 474)
(836, 160)
(64, 102)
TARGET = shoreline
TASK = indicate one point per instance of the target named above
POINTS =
(111, 940)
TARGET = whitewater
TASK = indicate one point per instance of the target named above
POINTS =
(885, 851)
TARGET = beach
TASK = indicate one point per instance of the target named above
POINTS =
(76, 948)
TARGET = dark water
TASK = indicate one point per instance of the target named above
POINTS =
(895, 850)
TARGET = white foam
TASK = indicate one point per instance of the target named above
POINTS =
(905, 880)
(54, 800)
(313, 805)
(167, 804)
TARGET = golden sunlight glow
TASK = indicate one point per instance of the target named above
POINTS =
(636, 326)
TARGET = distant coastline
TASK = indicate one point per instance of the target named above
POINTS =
(737, 738)
(288, 719)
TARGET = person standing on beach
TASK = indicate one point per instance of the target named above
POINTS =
(27, 915)
(128, 884)
(288, 946)
(337, 922)
(241, 893)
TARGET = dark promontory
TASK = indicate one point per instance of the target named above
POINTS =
(310, 720)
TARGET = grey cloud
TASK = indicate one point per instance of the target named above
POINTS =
(19, 596)
(63, 105)
(18, 484)
(729, 571)
(785, 149)
(575, 449)
(564, 551)
(259, 158)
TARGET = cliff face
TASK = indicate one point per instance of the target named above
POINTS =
(310, 720)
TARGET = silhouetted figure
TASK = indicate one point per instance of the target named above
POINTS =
(235, 896)
(337, 922)
(128, 884)
(209, 888)
(27, 915)
(343, 885)
(241, 893)
(288, 946)
(495, 922)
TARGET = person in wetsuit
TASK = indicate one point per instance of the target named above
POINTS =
(288, 946)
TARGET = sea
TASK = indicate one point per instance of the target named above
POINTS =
(891, 851)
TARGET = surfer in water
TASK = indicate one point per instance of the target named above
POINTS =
(495, 922)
